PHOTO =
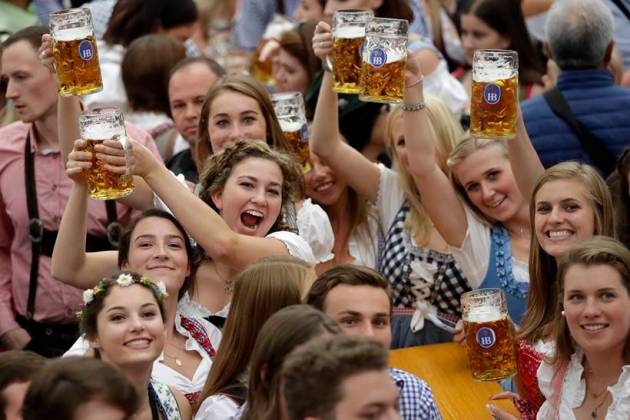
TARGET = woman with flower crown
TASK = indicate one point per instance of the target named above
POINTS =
(156, 245)
(123, 318)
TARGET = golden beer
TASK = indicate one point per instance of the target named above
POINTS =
(96, 126)
(493, 108)
(384, 60)
(383, 84)
(105, 185)
(346, 62)
(296, 135)
(494, 95)
(491, 349)
(75, 53)
(262, 70)
(490, 335)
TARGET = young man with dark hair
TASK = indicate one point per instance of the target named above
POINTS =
(17, 367)
(358, 299)
(339, 377)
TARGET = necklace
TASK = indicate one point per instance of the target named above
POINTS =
(174, 358)
(229, 284)
(597, 407)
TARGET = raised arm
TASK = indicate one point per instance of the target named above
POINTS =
(525, 162)
(205, 225)
(70, 263)
(438, 195)
(326, 142)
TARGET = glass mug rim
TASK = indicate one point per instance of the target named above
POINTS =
(100, 112)
(387, 27)
(353, 12)
(75, 11)
(283, 96)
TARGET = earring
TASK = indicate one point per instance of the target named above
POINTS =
(562, 312)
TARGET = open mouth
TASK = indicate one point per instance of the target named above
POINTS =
(559, 234)
(494, 206)
(593, 327)
(251, 218)
(324, 187)
(138, 343)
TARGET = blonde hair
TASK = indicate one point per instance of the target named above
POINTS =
(598, 250)
(543, 289)
(220, 165)
(463, 150)
(262, 289)
(448, 133)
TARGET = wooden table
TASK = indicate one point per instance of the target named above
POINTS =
(445, 368)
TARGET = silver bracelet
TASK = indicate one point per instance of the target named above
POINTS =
(416, 106)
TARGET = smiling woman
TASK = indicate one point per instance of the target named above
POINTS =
(589, 374)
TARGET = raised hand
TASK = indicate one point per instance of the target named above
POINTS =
(322, 40)
(46, 53)
(78, 161)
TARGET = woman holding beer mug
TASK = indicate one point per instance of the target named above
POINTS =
(588, 375)
(426, 281)
(154, 244)
(124, 320)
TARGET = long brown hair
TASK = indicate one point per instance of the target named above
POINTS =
(620, 191)
(543, 288)
(283, 331)
(598, 250)
(249, 87)
(262, 289)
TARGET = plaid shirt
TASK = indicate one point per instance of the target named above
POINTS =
(416, 398)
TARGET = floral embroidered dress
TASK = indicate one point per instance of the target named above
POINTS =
(165, 401)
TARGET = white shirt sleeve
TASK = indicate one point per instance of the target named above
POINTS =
(445, 86)
(217, 407)
(473, 255)
(79, 348)
(390, 196)
(296, 246)
(314, 227)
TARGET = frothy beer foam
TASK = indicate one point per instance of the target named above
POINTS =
(290, 126)
(349, 32)
(71, 34)
(101, 132)
(490, 75)
(484, 314)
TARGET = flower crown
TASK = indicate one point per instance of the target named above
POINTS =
(125, 280)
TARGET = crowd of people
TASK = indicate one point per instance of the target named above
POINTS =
(233, 283)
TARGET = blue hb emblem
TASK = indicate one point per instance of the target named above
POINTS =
(86, 50)
(378, 57)
(304, 133)
(491, 93)
(485, 337)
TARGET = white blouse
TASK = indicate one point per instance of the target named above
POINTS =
(574, 391)
(473, 256)
(217, 407)
(163, 373)
(314, 226)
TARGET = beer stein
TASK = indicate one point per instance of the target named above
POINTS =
(348, 35)
(384, 61)
(494, 94)
(289, 108)
(262, 69)
(96, 126)
(490, 335)
(74, 52)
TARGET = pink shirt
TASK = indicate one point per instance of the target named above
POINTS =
(55, 302)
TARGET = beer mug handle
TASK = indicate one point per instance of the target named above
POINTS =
(124, 141)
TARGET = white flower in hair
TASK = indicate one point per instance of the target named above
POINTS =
(88, 296)
(161, 288)
(124, 280)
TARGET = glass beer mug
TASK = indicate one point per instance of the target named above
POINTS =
(289, 108)
(384, 61)
(490, 335)
(348, 35)
(96, 126)
(494, 94)
(74, 52)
